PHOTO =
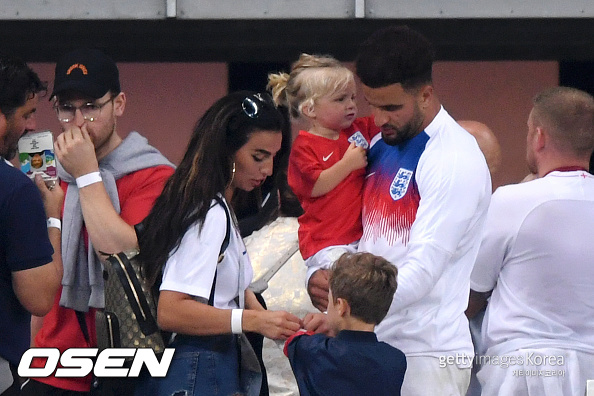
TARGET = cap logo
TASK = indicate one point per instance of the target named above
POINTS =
(77, 66)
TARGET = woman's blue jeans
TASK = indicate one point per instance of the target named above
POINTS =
(201, 366)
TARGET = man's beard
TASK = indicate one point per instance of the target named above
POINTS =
(401, 136)
(10, 148)
(10, 154)
(409, 131)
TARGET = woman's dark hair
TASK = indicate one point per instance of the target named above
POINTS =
(204, 172)
(254, 209)
(18, 83)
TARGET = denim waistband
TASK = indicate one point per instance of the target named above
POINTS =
(220, 342)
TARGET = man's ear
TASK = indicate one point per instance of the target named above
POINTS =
(540, 139)
(119, 104)
(425, 95)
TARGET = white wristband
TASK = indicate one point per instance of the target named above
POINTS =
(53, 222)
(88, 179)
(236, 319)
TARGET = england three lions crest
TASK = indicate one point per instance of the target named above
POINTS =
(359, 140)
(400, 184)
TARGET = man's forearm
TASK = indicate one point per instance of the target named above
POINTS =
(107, 230)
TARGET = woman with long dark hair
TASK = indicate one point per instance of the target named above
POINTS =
(205, 302)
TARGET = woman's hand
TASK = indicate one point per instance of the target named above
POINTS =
(277, 325)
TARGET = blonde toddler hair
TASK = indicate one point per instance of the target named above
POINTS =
(311, 77)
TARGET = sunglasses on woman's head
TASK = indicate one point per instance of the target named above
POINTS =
(252, 105)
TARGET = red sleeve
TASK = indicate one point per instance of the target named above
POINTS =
(139, 190)
(304, 167)
(298, 333)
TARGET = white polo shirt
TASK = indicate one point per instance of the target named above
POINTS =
(537, 256)
(190, 269)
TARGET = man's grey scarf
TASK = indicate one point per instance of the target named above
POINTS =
(82, 284)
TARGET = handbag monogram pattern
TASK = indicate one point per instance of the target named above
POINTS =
(128, 320)
(129, 317)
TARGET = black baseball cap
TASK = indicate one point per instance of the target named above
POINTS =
(87, 71)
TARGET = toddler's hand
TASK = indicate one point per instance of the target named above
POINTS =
(355, 157)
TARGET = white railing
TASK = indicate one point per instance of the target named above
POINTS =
(291, 9)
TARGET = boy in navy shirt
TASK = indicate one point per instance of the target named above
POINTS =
(353, 362)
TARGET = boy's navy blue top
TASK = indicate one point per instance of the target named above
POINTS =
(352, 363)
(24, 244)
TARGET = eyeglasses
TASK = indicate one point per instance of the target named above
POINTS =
(90, 111)
(252, 105)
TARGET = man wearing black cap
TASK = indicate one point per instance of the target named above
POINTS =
(30, 263)
(110, 185)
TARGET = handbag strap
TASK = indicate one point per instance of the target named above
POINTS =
(134, 292)
(82, 323)
(133, 289)
(224, 246)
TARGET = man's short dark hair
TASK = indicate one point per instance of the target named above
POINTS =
(397, 54)
(367, 282)
(18, 83)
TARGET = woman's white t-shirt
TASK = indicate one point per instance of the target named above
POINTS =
(191, 267)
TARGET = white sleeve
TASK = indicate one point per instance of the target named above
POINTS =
(495, 245)
(455, 187)
(190, 268)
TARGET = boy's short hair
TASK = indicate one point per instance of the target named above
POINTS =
(367, 282)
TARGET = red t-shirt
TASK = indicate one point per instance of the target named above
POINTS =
(137, 192)
(333, 218)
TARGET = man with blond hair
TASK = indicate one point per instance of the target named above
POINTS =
(536, 260)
